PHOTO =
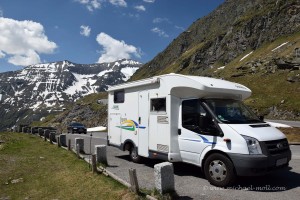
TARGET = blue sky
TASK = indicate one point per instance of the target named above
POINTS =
(90, 31)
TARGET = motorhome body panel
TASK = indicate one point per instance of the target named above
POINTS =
(146, 127)
(157, 130)
(151, 118)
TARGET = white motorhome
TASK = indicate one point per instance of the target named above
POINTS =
(196, 120)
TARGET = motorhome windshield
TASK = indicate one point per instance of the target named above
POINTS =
(232, 111)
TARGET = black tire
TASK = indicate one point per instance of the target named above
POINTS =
(134, 155)
(219, 170)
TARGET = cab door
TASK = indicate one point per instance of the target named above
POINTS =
(197, 131)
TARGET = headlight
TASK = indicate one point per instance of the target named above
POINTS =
(253, 145)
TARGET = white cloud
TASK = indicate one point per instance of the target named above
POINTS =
(23, 41)
(31, 57)
(140, 8)
(114, 49)
(149, 1)
(121, 3)
(160, 32)
(180, 28)
(91, 5)
(95, 4)
(83, 1)
(160, 20)
(85, 30)
(2, 55)
(133, 15)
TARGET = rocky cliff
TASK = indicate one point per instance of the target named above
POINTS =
(253, 42)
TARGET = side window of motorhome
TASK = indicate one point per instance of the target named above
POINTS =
(158, 105)
(195, 118)
(119, 96)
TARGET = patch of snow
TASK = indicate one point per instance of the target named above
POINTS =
(80, 85)
(280, 46)
(117, 64)
(104, 72)
(132, 62)
(246, 56)
(219, 68)
(36, 105)
(128, 72)
(18, 93)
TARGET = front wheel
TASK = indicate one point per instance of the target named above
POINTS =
(219, 170)
(134, 155)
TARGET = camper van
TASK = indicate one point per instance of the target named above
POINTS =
(196, 120)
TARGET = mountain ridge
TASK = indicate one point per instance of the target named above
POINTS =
(41, 89)
(237, 42)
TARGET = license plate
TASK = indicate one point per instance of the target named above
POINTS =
(281, 161)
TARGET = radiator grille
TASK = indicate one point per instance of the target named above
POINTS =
(277, 146)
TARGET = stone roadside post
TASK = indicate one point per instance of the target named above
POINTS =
(101, 156)
(79, 142)
(164, 177)
(63, 140)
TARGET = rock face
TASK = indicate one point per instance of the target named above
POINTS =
(251, 42)
(226, 33)
(42, 89)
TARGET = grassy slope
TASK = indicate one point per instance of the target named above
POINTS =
(49, 172)
(292, 134)
(268, 89)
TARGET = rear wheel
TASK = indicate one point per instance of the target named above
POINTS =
(219, 170)
(134, 155)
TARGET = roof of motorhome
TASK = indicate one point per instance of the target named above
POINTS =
(186, 81)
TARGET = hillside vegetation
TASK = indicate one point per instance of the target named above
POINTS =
(86, 110)
(33, 169)
(255, 43)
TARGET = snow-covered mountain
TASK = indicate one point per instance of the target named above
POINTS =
(48, 87)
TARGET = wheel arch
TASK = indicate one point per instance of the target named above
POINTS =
(213, 151)
(128, 144)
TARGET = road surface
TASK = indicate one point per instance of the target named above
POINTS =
(290, 123)
(190, 182)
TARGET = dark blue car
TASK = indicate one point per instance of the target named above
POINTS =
(76, 127)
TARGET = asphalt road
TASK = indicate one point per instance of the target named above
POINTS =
(290, 123)
(190, 182)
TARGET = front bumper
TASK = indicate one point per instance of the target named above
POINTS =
(254, 165)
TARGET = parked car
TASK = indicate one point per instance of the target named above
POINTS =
(76, 127)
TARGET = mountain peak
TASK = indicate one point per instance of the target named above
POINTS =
(45, 88)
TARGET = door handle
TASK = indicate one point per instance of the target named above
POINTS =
(179, 131)
(139, 120)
